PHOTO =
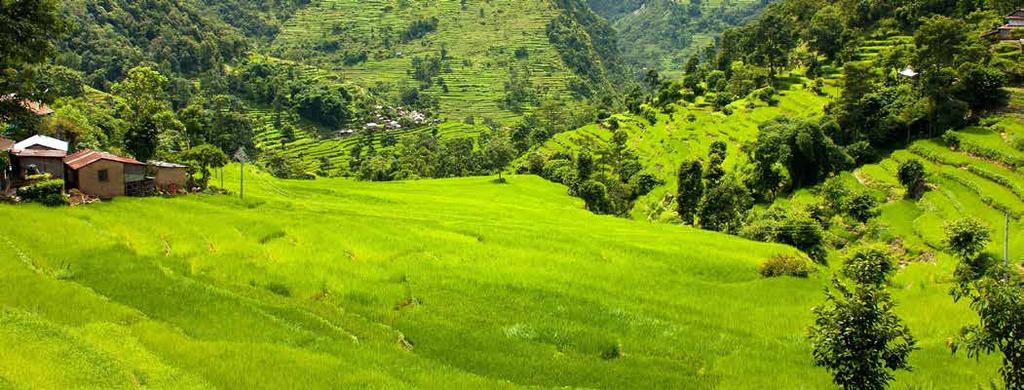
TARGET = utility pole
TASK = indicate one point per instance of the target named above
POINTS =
(241, 157)
(1006, 239)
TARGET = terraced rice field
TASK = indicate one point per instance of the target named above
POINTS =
(480, 39)
(309, 147)
(981, 178)
(688, 133)
(343, 284)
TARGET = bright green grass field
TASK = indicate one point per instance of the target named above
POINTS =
(439, 284)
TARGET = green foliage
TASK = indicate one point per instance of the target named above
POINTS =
(862, 207)
(966, 237)
(283, 166)
(869, 265)
(31, 29)
(49, 192)
(802, 148)
(201, 159)
(856, 335)
(792, 227)
(998, 298)
(691, 190)
(784, 265)
(595, 194)
(724, 206)
(912, 176)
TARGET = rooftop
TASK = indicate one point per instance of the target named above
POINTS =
(44, 153)
(42, 140)
(164, 164)
(85, 157)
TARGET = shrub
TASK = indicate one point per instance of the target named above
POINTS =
(46, 192)
(279, 289)
(952, 139)
(612, 352)
(1018, 143)
(784, 265)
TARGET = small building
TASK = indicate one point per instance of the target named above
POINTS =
(32, 106)
(38, 154)
(1012, 30)
(41, 142)
(105, 175)
(169, 177)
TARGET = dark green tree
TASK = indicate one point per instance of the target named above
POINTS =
(29, 30)
(201, 159)
(856, 335)
(912, 176)
(690, 192)
(723, 206)
(595, 195)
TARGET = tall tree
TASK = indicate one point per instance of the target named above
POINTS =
(856, 335)
(771, 39)
(690, 190)
(143, 94)
(28, 32)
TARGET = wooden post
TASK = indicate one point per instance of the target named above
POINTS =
(1006, 239)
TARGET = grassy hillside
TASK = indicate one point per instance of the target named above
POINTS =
(688, 132)
(480, 39)
(337, 283)
(979, 178)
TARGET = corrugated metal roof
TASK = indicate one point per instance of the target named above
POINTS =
(48, 153)
(164, 164)
(42, 140)
(85, 157)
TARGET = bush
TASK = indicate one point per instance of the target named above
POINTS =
(952, 139)
(279, 289)
(47, 192)
(784, 265)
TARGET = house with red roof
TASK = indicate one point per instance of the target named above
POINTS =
(105, 175)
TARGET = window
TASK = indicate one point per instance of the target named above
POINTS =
(104, 176)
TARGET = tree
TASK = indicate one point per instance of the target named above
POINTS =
(200, 159)
(856, 335)
(998, 298)
(595, 195)
(28, 31)
(584, 165)
(827, 32)
(717, 154)
(143, 94)
(723, 206)
(498, 151)
(967, 237)
(772, 38)
(912, 177)
(862, 207)
(690, 192)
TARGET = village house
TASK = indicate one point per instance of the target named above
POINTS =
(38, 154)
(169, 177)
(1012, 30)
(105, 175)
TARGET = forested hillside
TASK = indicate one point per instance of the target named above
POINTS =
(664, 34)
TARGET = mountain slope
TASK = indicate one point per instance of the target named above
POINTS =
(336, 283)
(467, 49)
(663, 34)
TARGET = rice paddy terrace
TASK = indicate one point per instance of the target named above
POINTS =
(980, 177)
(336, 283)
(688, 133)
(480, 38)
